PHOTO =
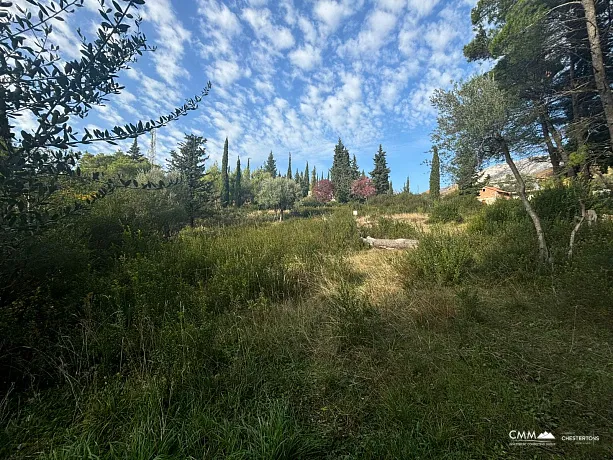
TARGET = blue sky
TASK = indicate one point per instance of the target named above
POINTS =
(292, 76)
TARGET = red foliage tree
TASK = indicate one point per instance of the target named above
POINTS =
(362, 188)
(323, 191)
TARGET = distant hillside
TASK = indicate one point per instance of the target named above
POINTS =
(530, 168)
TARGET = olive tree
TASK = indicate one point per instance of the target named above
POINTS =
(278, 193)
(37, 81)
(480, 120)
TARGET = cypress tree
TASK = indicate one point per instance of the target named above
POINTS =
(289, 166)
(407, 186)
(225, 180)
(435, 175)
(306, 183)
(134, 152)
(297, 176)
(314, 178)
(380, 174)
(271, 166)
(390, 190)
(248, 170)
(237, 184)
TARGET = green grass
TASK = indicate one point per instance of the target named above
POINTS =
(256, 341)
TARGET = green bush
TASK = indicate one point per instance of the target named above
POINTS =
(560, 203)
(395, 204)
(587, 279)
(385, 227)
(454, 208)
(494, 217)
(441, 258)
(445, 212)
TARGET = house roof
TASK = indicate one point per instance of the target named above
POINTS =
(496, 189)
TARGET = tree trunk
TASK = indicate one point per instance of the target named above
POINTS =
(521, 189)
(571, 244)
(400, 243)
(606, 97)
(578, 128)
(553, 153)
(557, 137)
(281, 215)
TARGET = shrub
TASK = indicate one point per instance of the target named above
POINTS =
(454, 208)
(395, 204)
(560, 203)
(440, 258)
(385, 227)
(492, 218)
(445, 212)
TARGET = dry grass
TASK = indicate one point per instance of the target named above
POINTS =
(415, 218)
(377, 267)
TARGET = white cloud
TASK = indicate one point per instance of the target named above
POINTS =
(225, 72)
(392, 5)
(373, 36)
(422, 8)
(306, 57)
(219, 26)
(408, 37)
(331, 14)
(259, 20)
(308, 29)
(439, 35)
(171, 38)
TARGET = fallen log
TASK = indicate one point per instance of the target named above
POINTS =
(400, 243)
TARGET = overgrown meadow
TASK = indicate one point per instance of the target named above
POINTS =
(256, 339)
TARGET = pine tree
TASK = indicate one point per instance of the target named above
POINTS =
(271, 165)
(435, 175)
(134, 152)
(289, 166)
(341, 172)
(189, 163)
(380, 175)
(225, 180)
(407, 186)
(237, 185)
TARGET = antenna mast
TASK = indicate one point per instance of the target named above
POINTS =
(152, 148)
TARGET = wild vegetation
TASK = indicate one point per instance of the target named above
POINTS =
(170, 313)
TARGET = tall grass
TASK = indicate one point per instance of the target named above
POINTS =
(259, 341)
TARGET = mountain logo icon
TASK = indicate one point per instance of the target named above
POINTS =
(545, 435)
